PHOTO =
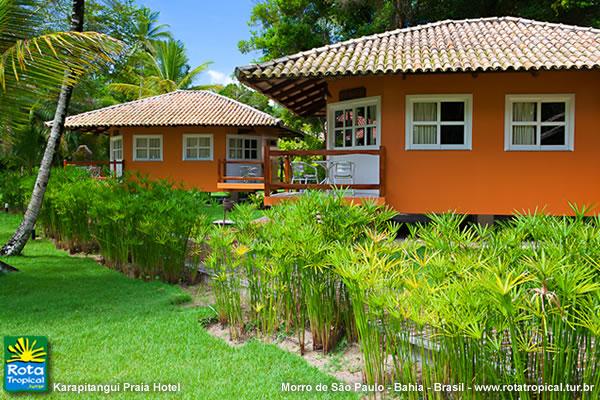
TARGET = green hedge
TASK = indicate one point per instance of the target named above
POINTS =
(139, 226)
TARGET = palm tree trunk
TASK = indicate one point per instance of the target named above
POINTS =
(16, 244)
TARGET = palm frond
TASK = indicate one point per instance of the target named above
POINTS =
(188, 79)
(45, 59)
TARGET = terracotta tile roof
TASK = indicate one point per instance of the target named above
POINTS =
(485, 44)
(180, 108)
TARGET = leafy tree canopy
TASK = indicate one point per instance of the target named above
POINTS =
(282, 27)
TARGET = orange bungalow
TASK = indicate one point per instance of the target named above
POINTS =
(198, 138)
(484, 116)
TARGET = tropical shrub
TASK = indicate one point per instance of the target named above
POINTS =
(139, 226)
(288, 284)
(15, 189)
(518, 304)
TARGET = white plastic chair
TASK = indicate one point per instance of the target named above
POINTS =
(343, 172)
(249, 171)
(303, 172)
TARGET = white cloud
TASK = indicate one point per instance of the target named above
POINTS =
(219, 78)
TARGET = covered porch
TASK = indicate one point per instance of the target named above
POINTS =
(287, 178)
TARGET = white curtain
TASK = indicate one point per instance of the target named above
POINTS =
(523, 135)
(523, 112)
(425, 112)
(425, 134)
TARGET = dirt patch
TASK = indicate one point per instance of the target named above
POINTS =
(344, 364)
(201, 293)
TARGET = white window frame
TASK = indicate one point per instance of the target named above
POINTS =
(568, 99)
(197, 135)
(136, 137)
(341, 105)
(439, 98)
(114, 139)
(258, 147)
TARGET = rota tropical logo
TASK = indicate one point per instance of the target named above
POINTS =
(25, 363)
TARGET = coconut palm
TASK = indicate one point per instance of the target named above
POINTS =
(147, 30)
(43, 63)
(166, 70)
(31, 64)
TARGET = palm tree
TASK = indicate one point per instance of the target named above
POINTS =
(147, 30)
(166, 70)
(43, 62)
(31, 64)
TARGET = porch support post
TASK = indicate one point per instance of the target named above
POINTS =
(381, 171)
(267, 167)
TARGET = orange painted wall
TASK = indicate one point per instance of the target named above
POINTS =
(487, 179)
(202, 175)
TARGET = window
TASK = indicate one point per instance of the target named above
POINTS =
(243, 148)
(147, 148)
(198, 147)
(354, 123)
(116, 148)
(539, 122)
(438, 122)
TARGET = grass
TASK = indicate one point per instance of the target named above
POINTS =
(106, 328)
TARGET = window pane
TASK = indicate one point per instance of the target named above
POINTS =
(347, 117)
(191, 153)
(425, 134)
(154, 154)
(154, 142)
(553, 135)
(552, 112)
(425, 112)
(247, 154)
(371, 115)
(360, 136)
(339, 138)
(254, 154)
(141, 142)
(360, 116)
(523, 135)
(452, 134)
(348, 138)
(204, 153)
(339, 119)
(453, 110)
(192, 142)
(371, 136)
(524, 112)
(141, 154)
(204, 142)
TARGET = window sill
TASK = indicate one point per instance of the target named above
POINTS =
(538, 150)
(462, 148)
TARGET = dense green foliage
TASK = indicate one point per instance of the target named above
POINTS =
(283, 27)
(139, 226)
(106, 328)
(518, 303)
(290, 287)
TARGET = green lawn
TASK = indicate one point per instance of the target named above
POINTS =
(106, 328)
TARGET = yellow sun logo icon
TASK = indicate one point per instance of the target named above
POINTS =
(25, 351)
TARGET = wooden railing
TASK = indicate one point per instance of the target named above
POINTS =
(286, 155)
(222, 173)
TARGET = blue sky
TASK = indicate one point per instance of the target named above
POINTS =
(210, 30)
